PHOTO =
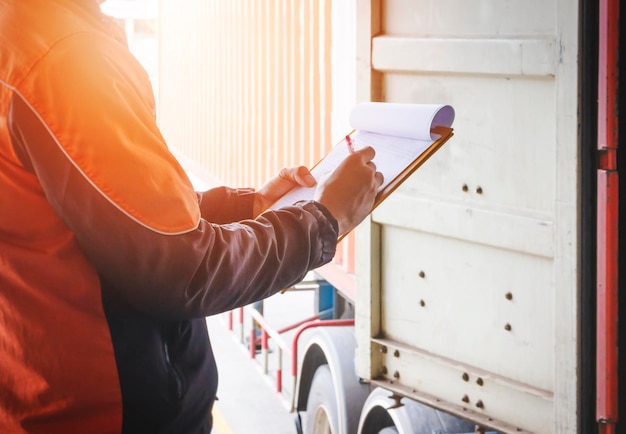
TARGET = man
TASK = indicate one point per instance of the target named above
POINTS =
(109, 261)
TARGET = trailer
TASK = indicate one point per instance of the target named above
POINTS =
(482, 295)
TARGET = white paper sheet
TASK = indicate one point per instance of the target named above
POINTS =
(399, 133)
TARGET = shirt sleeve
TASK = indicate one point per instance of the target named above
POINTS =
(226, 205)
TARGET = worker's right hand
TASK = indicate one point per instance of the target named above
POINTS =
(349, 191)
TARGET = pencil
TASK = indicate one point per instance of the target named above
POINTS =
(349, 144)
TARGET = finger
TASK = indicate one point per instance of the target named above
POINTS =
(297, 175)
(304, 177)
(286, 173)
(367, 153)
(379, 178)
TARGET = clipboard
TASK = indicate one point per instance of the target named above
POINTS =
(404, 136)
(445, 133)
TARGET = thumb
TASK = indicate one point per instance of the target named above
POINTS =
(304, 177)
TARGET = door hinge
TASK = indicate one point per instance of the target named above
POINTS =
(607, 159)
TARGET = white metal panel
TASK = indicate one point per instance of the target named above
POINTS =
(499, 124)
(470, 18)
(478, 56)
(468, 223)
(465, 390)
(476, 304)
(470, 268)
(567, 211)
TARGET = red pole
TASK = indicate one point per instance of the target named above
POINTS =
(279, 371)
(298, 324)
(317, 323)
(264, 340)
(252, 343)
(607, 294)
(608, 219)
(279, 380)
(241, 325)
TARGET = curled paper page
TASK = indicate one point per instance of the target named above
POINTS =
(412, 121)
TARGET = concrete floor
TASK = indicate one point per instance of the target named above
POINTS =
(247, 402)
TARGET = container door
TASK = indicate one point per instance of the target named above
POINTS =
(468, 275)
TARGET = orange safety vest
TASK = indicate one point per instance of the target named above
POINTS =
(64, 379)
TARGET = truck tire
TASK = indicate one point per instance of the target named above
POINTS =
(321, 412)
(382, 415)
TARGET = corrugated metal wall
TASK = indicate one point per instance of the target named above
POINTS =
(246, 84)
(245, 88)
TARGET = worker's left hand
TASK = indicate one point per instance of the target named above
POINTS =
(275, 188)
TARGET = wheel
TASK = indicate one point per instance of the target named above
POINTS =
(381, 415)
(321, 410)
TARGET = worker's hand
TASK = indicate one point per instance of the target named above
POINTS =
(350, 190)
(275, 188)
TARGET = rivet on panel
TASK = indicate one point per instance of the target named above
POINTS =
(422, 274)
(479, 190)
(465, 376)
(480, 404)
(383, 349)
(396, 353)
(465, 188)
(465, 398)
(384, 370)
(422, 303)
(396, 375)
(479, 381)
(507, 327)
(508, 296)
